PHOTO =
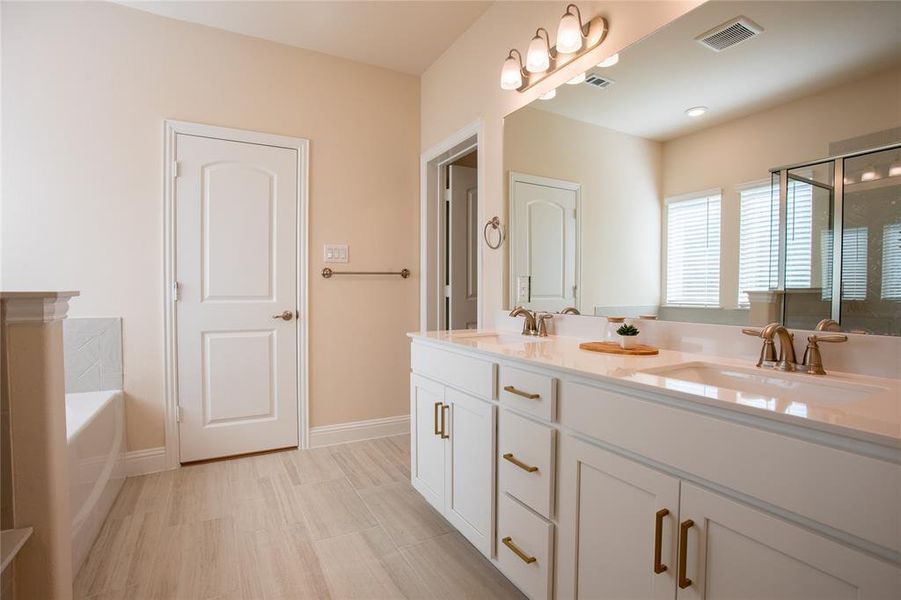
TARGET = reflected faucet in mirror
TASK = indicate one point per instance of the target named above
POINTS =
(570, 310)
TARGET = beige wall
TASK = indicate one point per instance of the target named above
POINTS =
(462, 87)
(619, 176)
(745, 149)
(86, 87)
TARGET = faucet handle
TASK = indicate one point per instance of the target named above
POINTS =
(542, 319)
(813, 360)
(833, 338)
(752, 332)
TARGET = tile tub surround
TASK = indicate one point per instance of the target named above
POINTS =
(93, 354)
(875, 355)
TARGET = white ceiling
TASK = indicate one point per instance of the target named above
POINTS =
(805, 47)
(403, 36)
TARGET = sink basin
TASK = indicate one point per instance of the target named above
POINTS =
(502, 338)
(755, 386)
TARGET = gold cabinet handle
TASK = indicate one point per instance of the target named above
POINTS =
(508, 542)
(684, 581)
(437, 408)
(444, 410)
(659, 567)
(513, 390)
(527, 468)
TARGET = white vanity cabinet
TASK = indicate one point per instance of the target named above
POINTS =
(452, 445)
(630, 531)
(582, 487)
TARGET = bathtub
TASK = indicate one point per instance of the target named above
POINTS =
(95, 432)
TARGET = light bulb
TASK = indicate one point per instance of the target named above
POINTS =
(609, 61)
(696, 111)
(538, 57)
(894, 170)
(869, 175)
(511, 75)
(577, 79)
(848, 180)
(569, 34)
(548, 95)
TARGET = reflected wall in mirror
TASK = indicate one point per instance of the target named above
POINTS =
(655, 187)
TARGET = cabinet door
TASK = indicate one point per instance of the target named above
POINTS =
(469, 468)
(612, 510)
(426, 444)
(735, 551)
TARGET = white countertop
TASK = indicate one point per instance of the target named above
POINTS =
(875, 416)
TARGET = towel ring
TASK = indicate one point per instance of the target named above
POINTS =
(494, 223)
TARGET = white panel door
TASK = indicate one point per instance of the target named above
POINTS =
(612, 511)
(236, 266)
(735, 551)
(427, 439)
(543, 245)
(463, 248)
(469, 468)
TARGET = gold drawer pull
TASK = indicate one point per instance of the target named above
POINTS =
(659, 567)
(437, 409)
(528, 468)
(444, 410)
(684, 581)
(513, 390)
(508, 542)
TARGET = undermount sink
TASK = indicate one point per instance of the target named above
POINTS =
(754, 385)
(502, 338)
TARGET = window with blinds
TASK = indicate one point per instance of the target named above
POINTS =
(758, 240)
(854, 263)
(798, 234)
(693, 251)
(891, 262)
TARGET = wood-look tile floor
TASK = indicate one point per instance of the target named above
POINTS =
(337, 522)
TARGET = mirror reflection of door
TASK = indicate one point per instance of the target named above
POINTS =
(461, 292)
(543, 225)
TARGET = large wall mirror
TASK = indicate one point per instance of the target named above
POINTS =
(740, 166)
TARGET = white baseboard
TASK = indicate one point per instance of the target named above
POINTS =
(142, 462)
(355, 431)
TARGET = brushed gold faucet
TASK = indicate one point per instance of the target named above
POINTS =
(570, 310)
(529, 327)
(786, 360)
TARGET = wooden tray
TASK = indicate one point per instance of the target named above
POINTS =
(615, 348)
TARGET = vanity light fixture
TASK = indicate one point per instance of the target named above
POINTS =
(894, 170)
(576, 80)
(609, 61)
(870, 174)
(696, 111)
(538, 57)
(548, 95)
(512, 72)
(848, 180)
(574, 39)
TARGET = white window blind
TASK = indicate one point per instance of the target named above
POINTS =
(798, 238)
(758, 241)
(854, 264)
(891, 262)
(693, 251)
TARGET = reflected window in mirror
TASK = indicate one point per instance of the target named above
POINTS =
(693, 250)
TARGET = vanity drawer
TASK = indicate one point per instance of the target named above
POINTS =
(526, 461)
(467, 373)
(528, 392)
(525, 548)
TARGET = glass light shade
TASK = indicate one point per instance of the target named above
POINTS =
(869, 175)
(577, 79)
(538, 57)
(548, 95)
(609, 61)
(894, 170)
(511, 77)
(569, 34)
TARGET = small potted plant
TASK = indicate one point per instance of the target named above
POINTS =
(628, 336)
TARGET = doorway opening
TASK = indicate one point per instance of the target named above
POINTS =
(451, 252)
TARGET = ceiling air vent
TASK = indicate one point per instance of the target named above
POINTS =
(729, 34)
(595, 80)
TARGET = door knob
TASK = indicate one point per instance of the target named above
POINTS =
(285, 315)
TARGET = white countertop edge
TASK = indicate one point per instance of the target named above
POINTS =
(844, 438)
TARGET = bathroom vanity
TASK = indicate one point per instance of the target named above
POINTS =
(585, 475)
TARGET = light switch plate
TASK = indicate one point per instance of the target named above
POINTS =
(522, 289)
(334, 253)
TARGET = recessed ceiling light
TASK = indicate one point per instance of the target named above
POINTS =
(548, 95)
(609, 61)
(577, 79)
(696, 111)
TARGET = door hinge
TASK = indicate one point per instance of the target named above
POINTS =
(176, 291)
(179, 414)
(447, 291)
(447, 195)
(176, 169)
